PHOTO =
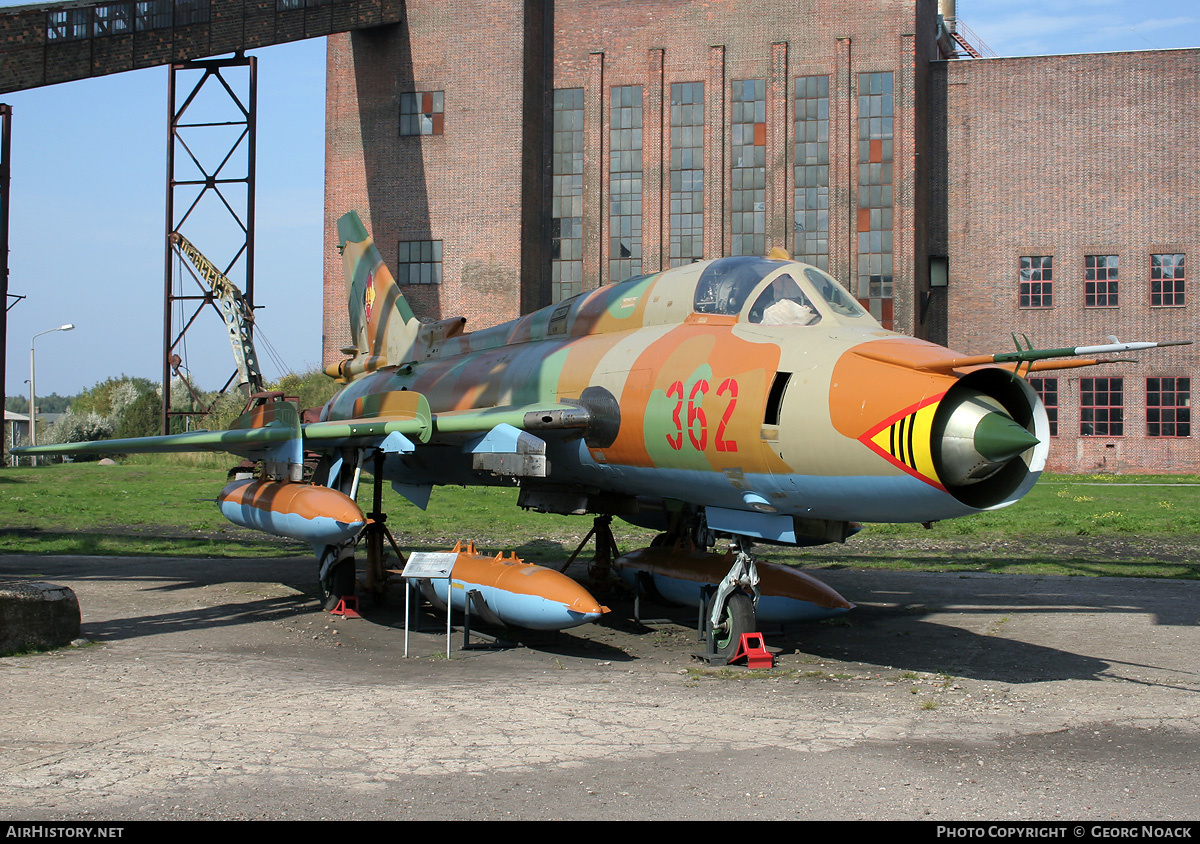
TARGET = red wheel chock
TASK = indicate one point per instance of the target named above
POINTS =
(752, 649)
(347, 607)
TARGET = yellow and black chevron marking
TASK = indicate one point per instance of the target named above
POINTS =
(905, 438)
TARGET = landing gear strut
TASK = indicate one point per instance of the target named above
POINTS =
(732, 607)
(336, 574)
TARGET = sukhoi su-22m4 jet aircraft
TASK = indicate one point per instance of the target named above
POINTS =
(743, 397)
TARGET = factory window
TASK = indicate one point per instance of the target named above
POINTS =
(191, 11)
(421, 113)
(749, 167)
(625, 183)
(1047, 390)
(812, 170)
(112, 19)
(1037, 281)
(566, 195)
(1166, 280)
(67, 25)
(1101, 407)
(687, 172)
(288, 5)
(419, 262)
(875, 200)
(1168, 407)
(1100, 281)
(152, 14)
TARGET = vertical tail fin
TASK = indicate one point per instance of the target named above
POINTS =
(384, 327)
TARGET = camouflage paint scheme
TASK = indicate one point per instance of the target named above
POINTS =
(669, 397)
(692, 390)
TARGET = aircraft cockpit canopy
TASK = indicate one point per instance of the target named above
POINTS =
(727, 284)
(782, 302)
(840, 301)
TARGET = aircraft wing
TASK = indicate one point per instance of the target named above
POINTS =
(267, 432)
(246, 443)
(273, 431)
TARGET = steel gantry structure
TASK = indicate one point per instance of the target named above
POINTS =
(47, 44)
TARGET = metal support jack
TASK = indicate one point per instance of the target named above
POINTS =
(600, 568)
(375, 533)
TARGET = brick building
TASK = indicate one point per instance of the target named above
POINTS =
(1070, 215)
(509, 153)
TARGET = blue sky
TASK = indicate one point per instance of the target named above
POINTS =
(88, 188)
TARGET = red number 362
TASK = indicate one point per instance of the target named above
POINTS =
(697, 421)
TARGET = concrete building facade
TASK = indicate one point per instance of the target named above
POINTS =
(510, 153)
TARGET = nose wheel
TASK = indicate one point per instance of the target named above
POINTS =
(732, 608)
(736, 618)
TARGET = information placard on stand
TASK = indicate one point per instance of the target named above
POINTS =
(427, 565)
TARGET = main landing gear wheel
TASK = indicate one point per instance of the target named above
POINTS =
(339, 583)
(737, 617)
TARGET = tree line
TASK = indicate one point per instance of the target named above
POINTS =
(129, 406)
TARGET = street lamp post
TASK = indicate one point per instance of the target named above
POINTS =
(33, 391)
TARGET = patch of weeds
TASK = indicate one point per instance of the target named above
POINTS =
(32, 649)
(824, 675)
(837, 621)
(929, 704)
(741, 673)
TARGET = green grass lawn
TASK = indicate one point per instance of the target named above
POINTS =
(1116, 525)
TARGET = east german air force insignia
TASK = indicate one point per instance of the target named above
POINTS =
(369, 296)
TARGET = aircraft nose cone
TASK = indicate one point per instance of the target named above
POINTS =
(978, 438)
(998, 438)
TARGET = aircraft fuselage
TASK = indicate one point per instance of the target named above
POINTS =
(703, 403)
